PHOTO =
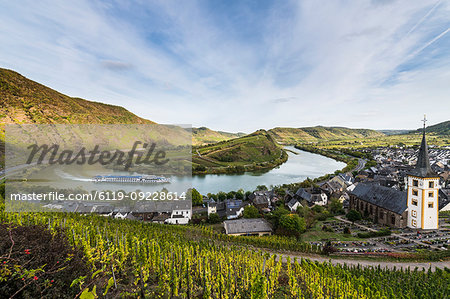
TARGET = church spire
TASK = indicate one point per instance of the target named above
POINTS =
(423, 168)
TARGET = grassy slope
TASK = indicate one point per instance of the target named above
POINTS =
(204, 136)
(442, 128)
(25, 101)
(254, 150)
(319, 133)
(409, 140)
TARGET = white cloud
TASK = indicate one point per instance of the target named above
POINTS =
(310, 62)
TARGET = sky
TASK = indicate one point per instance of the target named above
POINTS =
(241, 65)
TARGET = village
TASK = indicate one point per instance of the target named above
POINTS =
(366, 210)
(378, 195)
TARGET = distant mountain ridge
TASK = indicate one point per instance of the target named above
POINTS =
(393, 132)
(203, 136)
(319, 133)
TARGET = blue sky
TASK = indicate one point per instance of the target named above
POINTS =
(241, 65)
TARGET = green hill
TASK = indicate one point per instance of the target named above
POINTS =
(442, 128)
(319, 133)
(25, 101)
(204, 136)
(254, 151)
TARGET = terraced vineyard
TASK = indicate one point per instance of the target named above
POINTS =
(251, 152)
(136, 259)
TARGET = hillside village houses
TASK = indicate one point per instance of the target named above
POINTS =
(382, 197)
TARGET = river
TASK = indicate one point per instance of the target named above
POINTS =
(297, 168)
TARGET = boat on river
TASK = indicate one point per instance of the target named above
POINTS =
(143, 179)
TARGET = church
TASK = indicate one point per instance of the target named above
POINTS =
(423, 192)
(417, 208)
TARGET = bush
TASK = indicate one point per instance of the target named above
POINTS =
(335, 207)
(347, 230)
(41, 264)
(292, 224)
(213, 218)
(251, 212)
(353, 215)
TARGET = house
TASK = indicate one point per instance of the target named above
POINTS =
(247, 227)
(347, 178)
(383, 205)
(181, 213)
(332, 187)
(160, 211)
(293, 204)
(211, 206)
(229, 209)
(339, 182)
(312, 196)
(160, 218)
(261, 199)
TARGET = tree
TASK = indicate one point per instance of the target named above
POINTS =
(251, 212)
(197, 198)
(353, 215)
(240, 194)
(261, 188)
(231, 194)
(347, 230)
(335, 207)
(292, 224)
(221, 196)
(247, 195)
(213, 218)
(317, 209)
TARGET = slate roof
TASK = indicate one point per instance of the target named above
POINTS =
(246, 226)
(162, 206)
(384, 197)
(292, 202)
(261, 197)
(303, 194)
(444, 198)
(423, 168)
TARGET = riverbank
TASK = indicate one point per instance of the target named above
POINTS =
(239, 169)
(351, 162)
(299, 166)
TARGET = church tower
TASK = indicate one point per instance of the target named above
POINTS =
(423, 190)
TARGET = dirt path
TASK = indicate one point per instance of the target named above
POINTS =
(367, 263)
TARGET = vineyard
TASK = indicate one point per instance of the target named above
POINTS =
(131, 258)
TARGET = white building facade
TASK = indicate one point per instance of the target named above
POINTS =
(423, 192)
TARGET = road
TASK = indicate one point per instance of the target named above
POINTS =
(361, 164)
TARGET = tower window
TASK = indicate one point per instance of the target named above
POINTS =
(430, 194)
(430, 184)
(430, 205)
(414, 202)
(415, 192)
(414, 213)
(415, 183)
(414, 223)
